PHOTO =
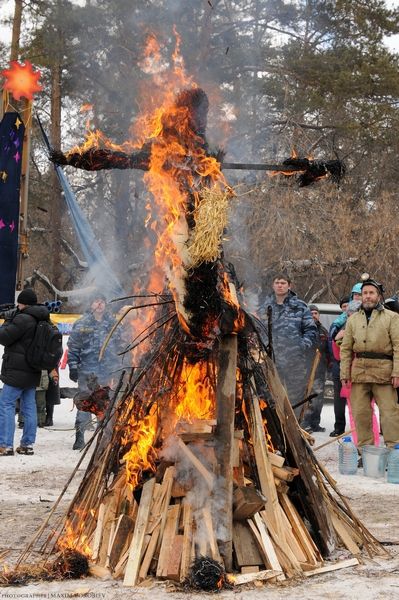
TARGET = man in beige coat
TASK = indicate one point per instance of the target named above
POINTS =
(370, 360)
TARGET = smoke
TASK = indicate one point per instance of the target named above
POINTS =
(200, 495)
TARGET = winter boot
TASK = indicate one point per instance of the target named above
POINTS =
(79, 440)
(41, 407)
(49, 414)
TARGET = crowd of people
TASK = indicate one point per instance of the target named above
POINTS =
(360, 353)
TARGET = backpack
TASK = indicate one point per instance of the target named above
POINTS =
(45, 350)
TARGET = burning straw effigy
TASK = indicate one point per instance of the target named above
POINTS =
(199, 472)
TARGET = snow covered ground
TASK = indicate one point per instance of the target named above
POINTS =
(29, 486)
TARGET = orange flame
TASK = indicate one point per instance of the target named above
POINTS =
(196, 396)
(139, 437)
(73, 537)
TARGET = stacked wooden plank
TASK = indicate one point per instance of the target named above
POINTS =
(161, 533)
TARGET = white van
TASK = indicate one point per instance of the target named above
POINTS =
(328, 313)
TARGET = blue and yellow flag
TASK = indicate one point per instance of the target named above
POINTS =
(12, 132)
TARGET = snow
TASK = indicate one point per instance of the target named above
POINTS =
(30, 486)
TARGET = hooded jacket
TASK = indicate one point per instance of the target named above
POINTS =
(85, 342)
(293, 328)
(380, 335)
(16, 334)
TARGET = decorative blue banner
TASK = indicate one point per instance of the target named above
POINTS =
(12, 132)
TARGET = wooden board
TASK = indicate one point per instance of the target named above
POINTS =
(207, 520)
(169, 533)
(301, 532)
(136, 546)
(98, 532)
(250, 577)
(174, 560)
(149, 553)
(342, 564)
(187, 542)
(122, 532)
(245, 546)
(267, 544)
(263, 464)
(344, 534)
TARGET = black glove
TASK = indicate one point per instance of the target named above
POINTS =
(73, 374)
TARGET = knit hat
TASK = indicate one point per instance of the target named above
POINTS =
(97, 295)
(313, 307)
(344, 300)
(27, 296)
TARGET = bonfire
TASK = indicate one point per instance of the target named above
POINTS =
(199, 472)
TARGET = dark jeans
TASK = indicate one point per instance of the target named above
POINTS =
(339, 405)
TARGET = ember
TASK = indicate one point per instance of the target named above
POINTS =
(207, 574)
(71, 564)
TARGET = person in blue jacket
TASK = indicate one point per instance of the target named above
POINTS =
(84, 345)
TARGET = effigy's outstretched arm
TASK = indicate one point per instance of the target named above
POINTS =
(96, 159)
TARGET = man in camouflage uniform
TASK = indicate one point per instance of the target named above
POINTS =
(294, 337)
(84, 345)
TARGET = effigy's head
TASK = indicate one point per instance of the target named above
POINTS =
(190, 110)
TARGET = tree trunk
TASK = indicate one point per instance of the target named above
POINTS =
(16, 30)
(56, 206)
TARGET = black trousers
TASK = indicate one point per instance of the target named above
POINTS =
(339, 404)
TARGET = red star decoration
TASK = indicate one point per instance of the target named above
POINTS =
(22, 80)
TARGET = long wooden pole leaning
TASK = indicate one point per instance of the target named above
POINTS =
(224, 442)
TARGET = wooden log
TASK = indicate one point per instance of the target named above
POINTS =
(169, 533)
(275, 459)
(224, 442)
(246, 502)
(342, 564)
(136, 546)
(285, 473)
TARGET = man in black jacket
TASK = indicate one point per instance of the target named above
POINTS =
(19, 379)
